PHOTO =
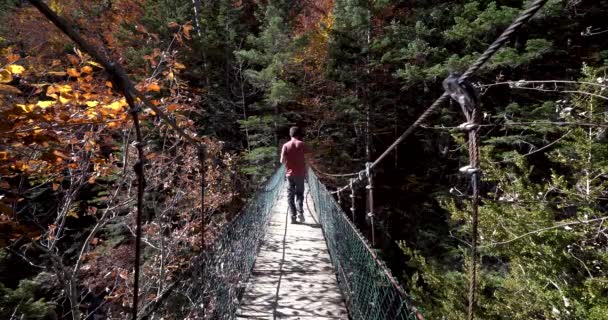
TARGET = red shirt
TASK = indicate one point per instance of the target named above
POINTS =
(293, 157)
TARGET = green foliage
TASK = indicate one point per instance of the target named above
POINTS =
(542, 254)
(21, 303)
(158, 13)
(267, 56)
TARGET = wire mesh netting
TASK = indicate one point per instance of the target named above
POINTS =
(230, 258)
(370, 291)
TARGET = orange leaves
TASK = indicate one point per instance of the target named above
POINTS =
(11, 58)
(60, 155)
(186, 29)
(72, 72)
(153, 87)
(87, 69)
(113, 109)
(92, 179)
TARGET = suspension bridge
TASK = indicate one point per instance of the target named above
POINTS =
(261, 267)
(265, 268)
(291, 278)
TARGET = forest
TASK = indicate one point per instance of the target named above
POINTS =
(234, 76)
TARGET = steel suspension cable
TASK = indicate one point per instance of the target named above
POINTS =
(522, 19)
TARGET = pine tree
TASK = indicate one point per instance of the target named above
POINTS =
(542, 240)
(267, 58)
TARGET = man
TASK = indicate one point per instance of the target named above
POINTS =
(293, 156)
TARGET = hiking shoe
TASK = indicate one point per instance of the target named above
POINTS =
(293, 220)
(301, 217)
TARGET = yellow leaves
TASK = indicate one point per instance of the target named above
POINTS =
(179, 66)
(61, 93)
(92, 104)
(65, 97)
(91, 114)
(87, 69)
(15, 69)
(58, 88)
(95, 64)
(45, 104)
(5, 76)
(116, 106)
(56, 6)
(26, 108)
(72, 213)
(19, 166)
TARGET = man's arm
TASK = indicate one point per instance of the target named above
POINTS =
(282, 155)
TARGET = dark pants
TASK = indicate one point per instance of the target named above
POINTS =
(295, 189)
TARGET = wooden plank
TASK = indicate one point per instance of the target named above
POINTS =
(293, 277)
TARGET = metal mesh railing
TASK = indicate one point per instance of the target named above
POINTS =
(230, 258)
(370, 291)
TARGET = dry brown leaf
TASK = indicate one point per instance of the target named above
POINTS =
(9, 89)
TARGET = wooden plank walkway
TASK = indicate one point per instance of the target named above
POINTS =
(293, 277)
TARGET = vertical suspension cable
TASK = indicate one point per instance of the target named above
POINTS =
(464, 93)
(370, 198)
(475, 180)
(138, 167)
(352, 198)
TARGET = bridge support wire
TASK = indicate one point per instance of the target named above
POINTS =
(370, 199)
(370, 291)
(352, 199)
(464, 93)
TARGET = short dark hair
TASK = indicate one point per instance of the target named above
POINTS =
(295, 132)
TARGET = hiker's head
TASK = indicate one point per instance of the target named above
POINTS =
(295, 132)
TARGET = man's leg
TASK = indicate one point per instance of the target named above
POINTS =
(300, 197)
(291, 192)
